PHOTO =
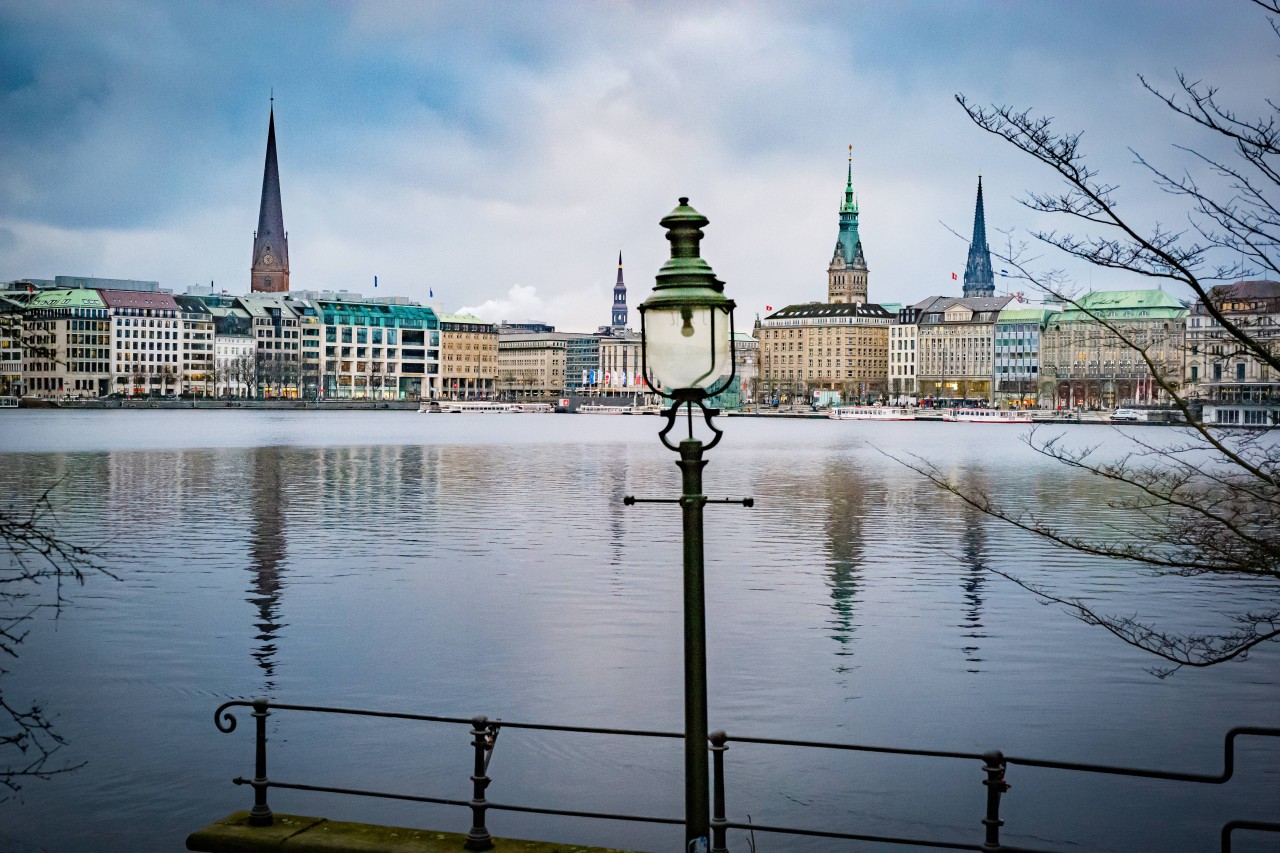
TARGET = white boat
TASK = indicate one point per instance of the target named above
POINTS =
(988, 416)
(601, 409)
(8, 402)
(871, 413)
(532, 408)
(455, 407)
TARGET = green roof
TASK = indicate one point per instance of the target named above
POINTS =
(1123, 305)
(1026, 315)
(461, 318)
(66, 299)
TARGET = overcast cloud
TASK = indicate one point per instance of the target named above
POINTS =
(500, 155)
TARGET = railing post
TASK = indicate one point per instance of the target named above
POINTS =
(718, 820)
(260, 814)
(478, 838)
(996, 786)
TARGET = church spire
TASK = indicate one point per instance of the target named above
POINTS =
(847, 272)
(979, 278)
(270, 270)
(619, 317)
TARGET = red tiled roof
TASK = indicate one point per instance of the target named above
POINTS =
(139, 299)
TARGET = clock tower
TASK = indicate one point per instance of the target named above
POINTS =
(270, 270)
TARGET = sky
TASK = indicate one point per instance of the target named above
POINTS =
(496, 157)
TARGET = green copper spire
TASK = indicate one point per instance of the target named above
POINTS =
(850, 203)
(849, 244)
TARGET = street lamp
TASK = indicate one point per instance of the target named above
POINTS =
(687, 356)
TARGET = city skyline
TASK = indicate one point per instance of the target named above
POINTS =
(500, 162)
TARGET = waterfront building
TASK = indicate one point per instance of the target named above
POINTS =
(468, 357)
(13, 305)
(746, 360)
(979, 277)
(1234, 386)
(377, 350)
(903, 336)
(233, 365)
(847, 273)
(835, 346)
(532, 365)
(582, 363)
(954, 349)
(146, 342)
(66, 344)
(277, 345)
(1015, 373)
(197, 346)
(1085, 363)
(620, 366)
(269, 272)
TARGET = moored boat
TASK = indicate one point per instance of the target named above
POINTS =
(871, 413)
(988, 416)
(600, 409)
(456, 407)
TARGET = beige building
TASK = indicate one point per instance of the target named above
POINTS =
(66, 345)
(1218, 371)
(1084, 363)
(532, 365)
(620, 365)
(468, 357)
(835, 346)
(955, 346)
(903, 334)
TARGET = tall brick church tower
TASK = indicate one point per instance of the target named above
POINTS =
(847, 272)
(270, 271)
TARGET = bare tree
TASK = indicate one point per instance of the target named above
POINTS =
(36, 560)
(1210, 498)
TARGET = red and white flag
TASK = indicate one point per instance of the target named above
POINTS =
(768, 307)
(953, 276)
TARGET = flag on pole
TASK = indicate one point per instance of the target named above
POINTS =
(953, 276)
(431, 294)
(375, 281)
(768, 307)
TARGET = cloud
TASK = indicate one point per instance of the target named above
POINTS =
(523, 304)
(445, 148)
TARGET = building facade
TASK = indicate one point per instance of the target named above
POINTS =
(66, 342)
(468, 357)
(824, 346)
(377, 350)
(532, 365)
(955, 347)
(1084, 363)
(146, 334)
(197, 350)
(1015, 374)
(903, 386)
(620, 367)
(1235, 386)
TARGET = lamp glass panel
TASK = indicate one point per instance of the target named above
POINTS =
(687, 347)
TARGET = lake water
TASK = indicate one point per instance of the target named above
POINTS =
(458, 565)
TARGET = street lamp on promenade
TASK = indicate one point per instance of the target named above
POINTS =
(687, 356)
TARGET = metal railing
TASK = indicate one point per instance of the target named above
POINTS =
(484, 735)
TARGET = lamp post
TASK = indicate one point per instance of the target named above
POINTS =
(686, 347)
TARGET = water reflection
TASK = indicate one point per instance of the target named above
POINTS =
(845, 496)
(267, 552)
(973, 580)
